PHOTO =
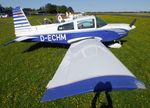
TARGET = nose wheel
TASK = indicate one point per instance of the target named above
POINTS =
(116, 44)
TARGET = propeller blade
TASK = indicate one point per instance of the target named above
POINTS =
(132, 23)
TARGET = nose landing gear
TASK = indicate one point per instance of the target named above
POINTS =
(115, 44)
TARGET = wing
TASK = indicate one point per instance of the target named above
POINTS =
(89, 66)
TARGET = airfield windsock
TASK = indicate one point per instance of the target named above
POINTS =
(21, 23)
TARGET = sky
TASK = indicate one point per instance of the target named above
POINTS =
(85, 5)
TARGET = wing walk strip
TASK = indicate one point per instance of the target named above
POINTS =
(89, 66)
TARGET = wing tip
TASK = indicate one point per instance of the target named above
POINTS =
(140, 85)
(44, 99)
(10, 42)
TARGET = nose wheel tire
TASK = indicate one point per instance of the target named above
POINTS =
(116, 44)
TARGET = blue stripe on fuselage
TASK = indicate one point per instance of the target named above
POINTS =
(106, 35)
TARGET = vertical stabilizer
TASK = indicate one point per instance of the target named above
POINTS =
(21, 23)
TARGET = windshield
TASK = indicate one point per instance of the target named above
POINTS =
(87, 23)
(100, 22)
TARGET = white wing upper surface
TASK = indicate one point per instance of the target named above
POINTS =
(87, 66)
(87, 59)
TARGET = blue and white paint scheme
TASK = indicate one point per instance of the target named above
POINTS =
(88, 65)
(79, 28)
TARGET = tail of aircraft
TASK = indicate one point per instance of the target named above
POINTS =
(21, 23)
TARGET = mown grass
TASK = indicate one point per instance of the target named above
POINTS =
(26, 68)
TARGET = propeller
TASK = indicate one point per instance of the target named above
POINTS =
(132, 23)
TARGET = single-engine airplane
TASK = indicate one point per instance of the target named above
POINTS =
(88, 64)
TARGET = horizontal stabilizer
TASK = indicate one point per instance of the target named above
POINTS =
(19, 39)
(10, 42)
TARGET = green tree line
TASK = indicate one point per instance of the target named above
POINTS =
(6, 10)
(51, 8)
(48, 8)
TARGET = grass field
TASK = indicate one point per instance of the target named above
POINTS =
(26, 68)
